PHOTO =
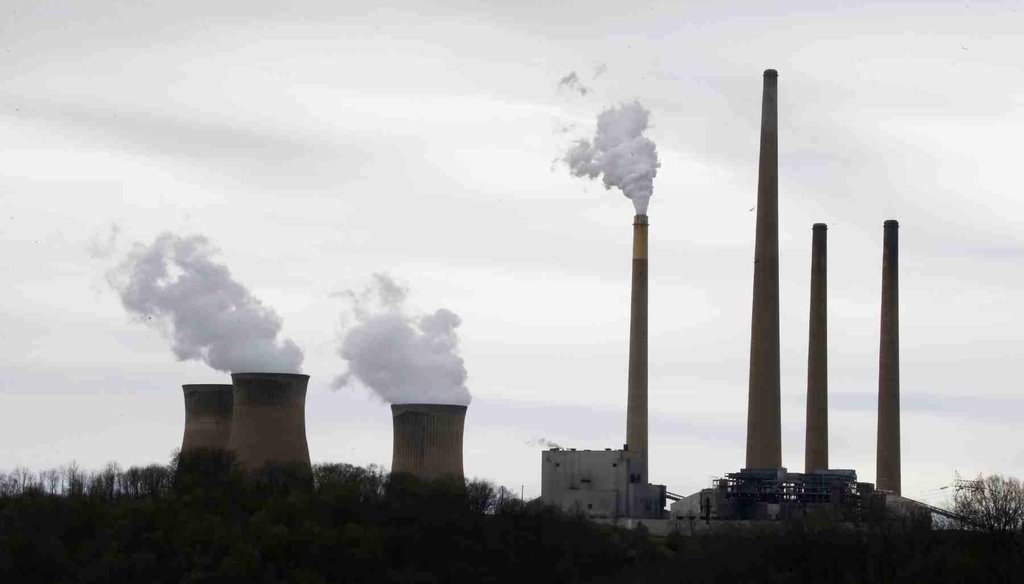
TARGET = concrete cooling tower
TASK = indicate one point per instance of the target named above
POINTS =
(428, 440)
(269, 422)
(207, 417)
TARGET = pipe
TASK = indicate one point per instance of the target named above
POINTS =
(764, 424)
(887, 476)
(269, 422)
(636, 399)
(816, 443)
(428, 440)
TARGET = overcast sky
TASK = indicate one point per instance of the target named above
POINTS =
(316, 143)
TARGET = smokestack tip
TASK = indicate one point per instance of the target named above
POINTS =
(820, 227)
(770, 74)
(891, 224)
(640, 219)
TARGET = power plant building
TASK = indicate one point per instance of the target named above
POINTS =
(601, 484)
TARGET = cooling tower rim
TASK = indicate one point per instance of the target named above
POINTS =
(206, 387)
(427, 407)
(267, 374)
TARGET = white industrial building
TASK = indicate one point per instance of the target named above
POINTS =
(601, 484)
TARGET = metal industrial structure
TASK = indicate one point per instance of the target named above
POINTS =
(428, 440)
(888, 455)
(269, 421)
(207, 417)
(766, 494)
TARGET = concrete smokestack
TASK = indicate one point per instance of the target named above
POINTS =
(816, 445)
(636, 404)
(269, 421)
(887, 474)
(428, 440)
(764, 424)
(207, 417)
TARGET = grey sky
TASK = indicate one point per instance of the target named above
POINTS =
(317, 143)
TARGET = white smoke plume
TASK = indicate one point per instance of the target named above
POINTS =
(620, 153)
(175, 285)
(402, 356)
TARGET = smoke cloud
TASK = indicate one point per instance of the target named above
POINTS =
(175, 285)
(402, 356)
(620, 154)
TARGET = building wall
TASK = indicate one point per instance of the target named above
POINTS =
(599, 483)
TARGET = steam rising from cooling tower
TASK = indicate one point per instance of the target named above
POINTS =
(175, 285)
(403, 356)
(620, 154)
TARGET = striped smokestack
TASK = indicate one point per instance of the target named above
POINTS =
(207, 417)
(887, 475)
(428, 440)
(816, 445)
(764, 425)
(269, 422)
(636, 404)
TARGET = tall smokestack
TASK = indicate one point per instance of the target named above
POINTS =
(764, 424)
(636, 405)
(428, 440)
(887, 476)
(816, 445)
(207, 417)
(269, 421)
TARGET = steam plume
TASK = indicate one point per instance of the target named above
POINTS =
(175, 285)
(402, 357)
(620, 153)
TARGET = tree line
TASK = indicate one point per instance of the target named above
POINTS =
(199, 519)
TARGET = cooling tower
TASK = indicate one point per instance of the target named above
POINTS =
(269, 422)
(887, 475)
(816, 444)
(207, 417)
(764, 425)
(428, 440)
(636, 399)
